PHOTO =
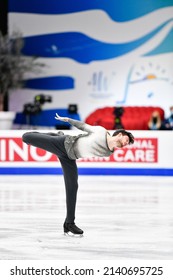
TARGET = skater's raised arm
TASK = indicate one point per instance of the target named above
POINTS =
(63, 119)
(78, 124)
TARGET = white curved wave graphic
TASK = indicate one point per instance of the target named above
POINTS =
(67, 66)
(95, 24)
(154, 41)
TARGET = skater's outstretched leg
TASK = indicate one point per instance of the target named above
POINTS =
(51, 142)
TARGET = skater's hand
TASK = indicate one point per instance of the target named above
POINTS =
(64, 119)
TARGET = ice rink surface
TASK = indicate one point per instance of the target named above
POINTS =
(122, 218)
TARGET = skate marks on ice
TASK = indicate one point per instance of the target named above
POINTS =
(122, 218)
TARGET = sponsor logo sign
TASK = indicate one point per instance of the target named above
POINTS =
(144, 150)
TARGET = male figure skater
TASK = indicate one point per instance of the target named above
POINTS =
(95, 142)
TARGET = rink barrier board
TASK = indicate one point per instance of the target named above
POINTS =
(151, 155)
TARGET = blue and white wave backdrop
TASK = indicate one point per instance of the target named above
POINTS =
(98, 53)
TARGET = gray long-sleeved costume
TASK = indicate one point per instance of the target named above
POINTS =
(68, 148)
(93, 143)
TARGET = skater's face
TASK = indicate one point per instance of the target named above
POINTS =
(123, 140)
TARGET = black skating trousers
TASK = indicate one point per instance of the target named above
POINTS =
(54, 144)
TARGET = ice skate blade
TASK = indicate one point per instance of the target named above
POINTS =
(70, 234)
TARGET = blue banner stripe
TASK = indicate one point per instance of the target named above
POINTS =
(50, 83)
(123, 10)
(46, 118)
(88, 171)
(80, 47)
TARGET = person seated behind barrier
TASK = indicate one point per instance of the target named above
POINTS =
(155, 122)
(169, 121)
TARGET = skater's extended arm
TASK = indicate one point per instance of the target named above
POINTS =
(79, 124)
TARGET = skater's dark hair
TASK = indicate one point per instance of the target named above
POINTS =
(124, 132)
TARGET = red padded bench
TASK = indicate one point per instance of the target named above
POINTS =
(133, 117)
